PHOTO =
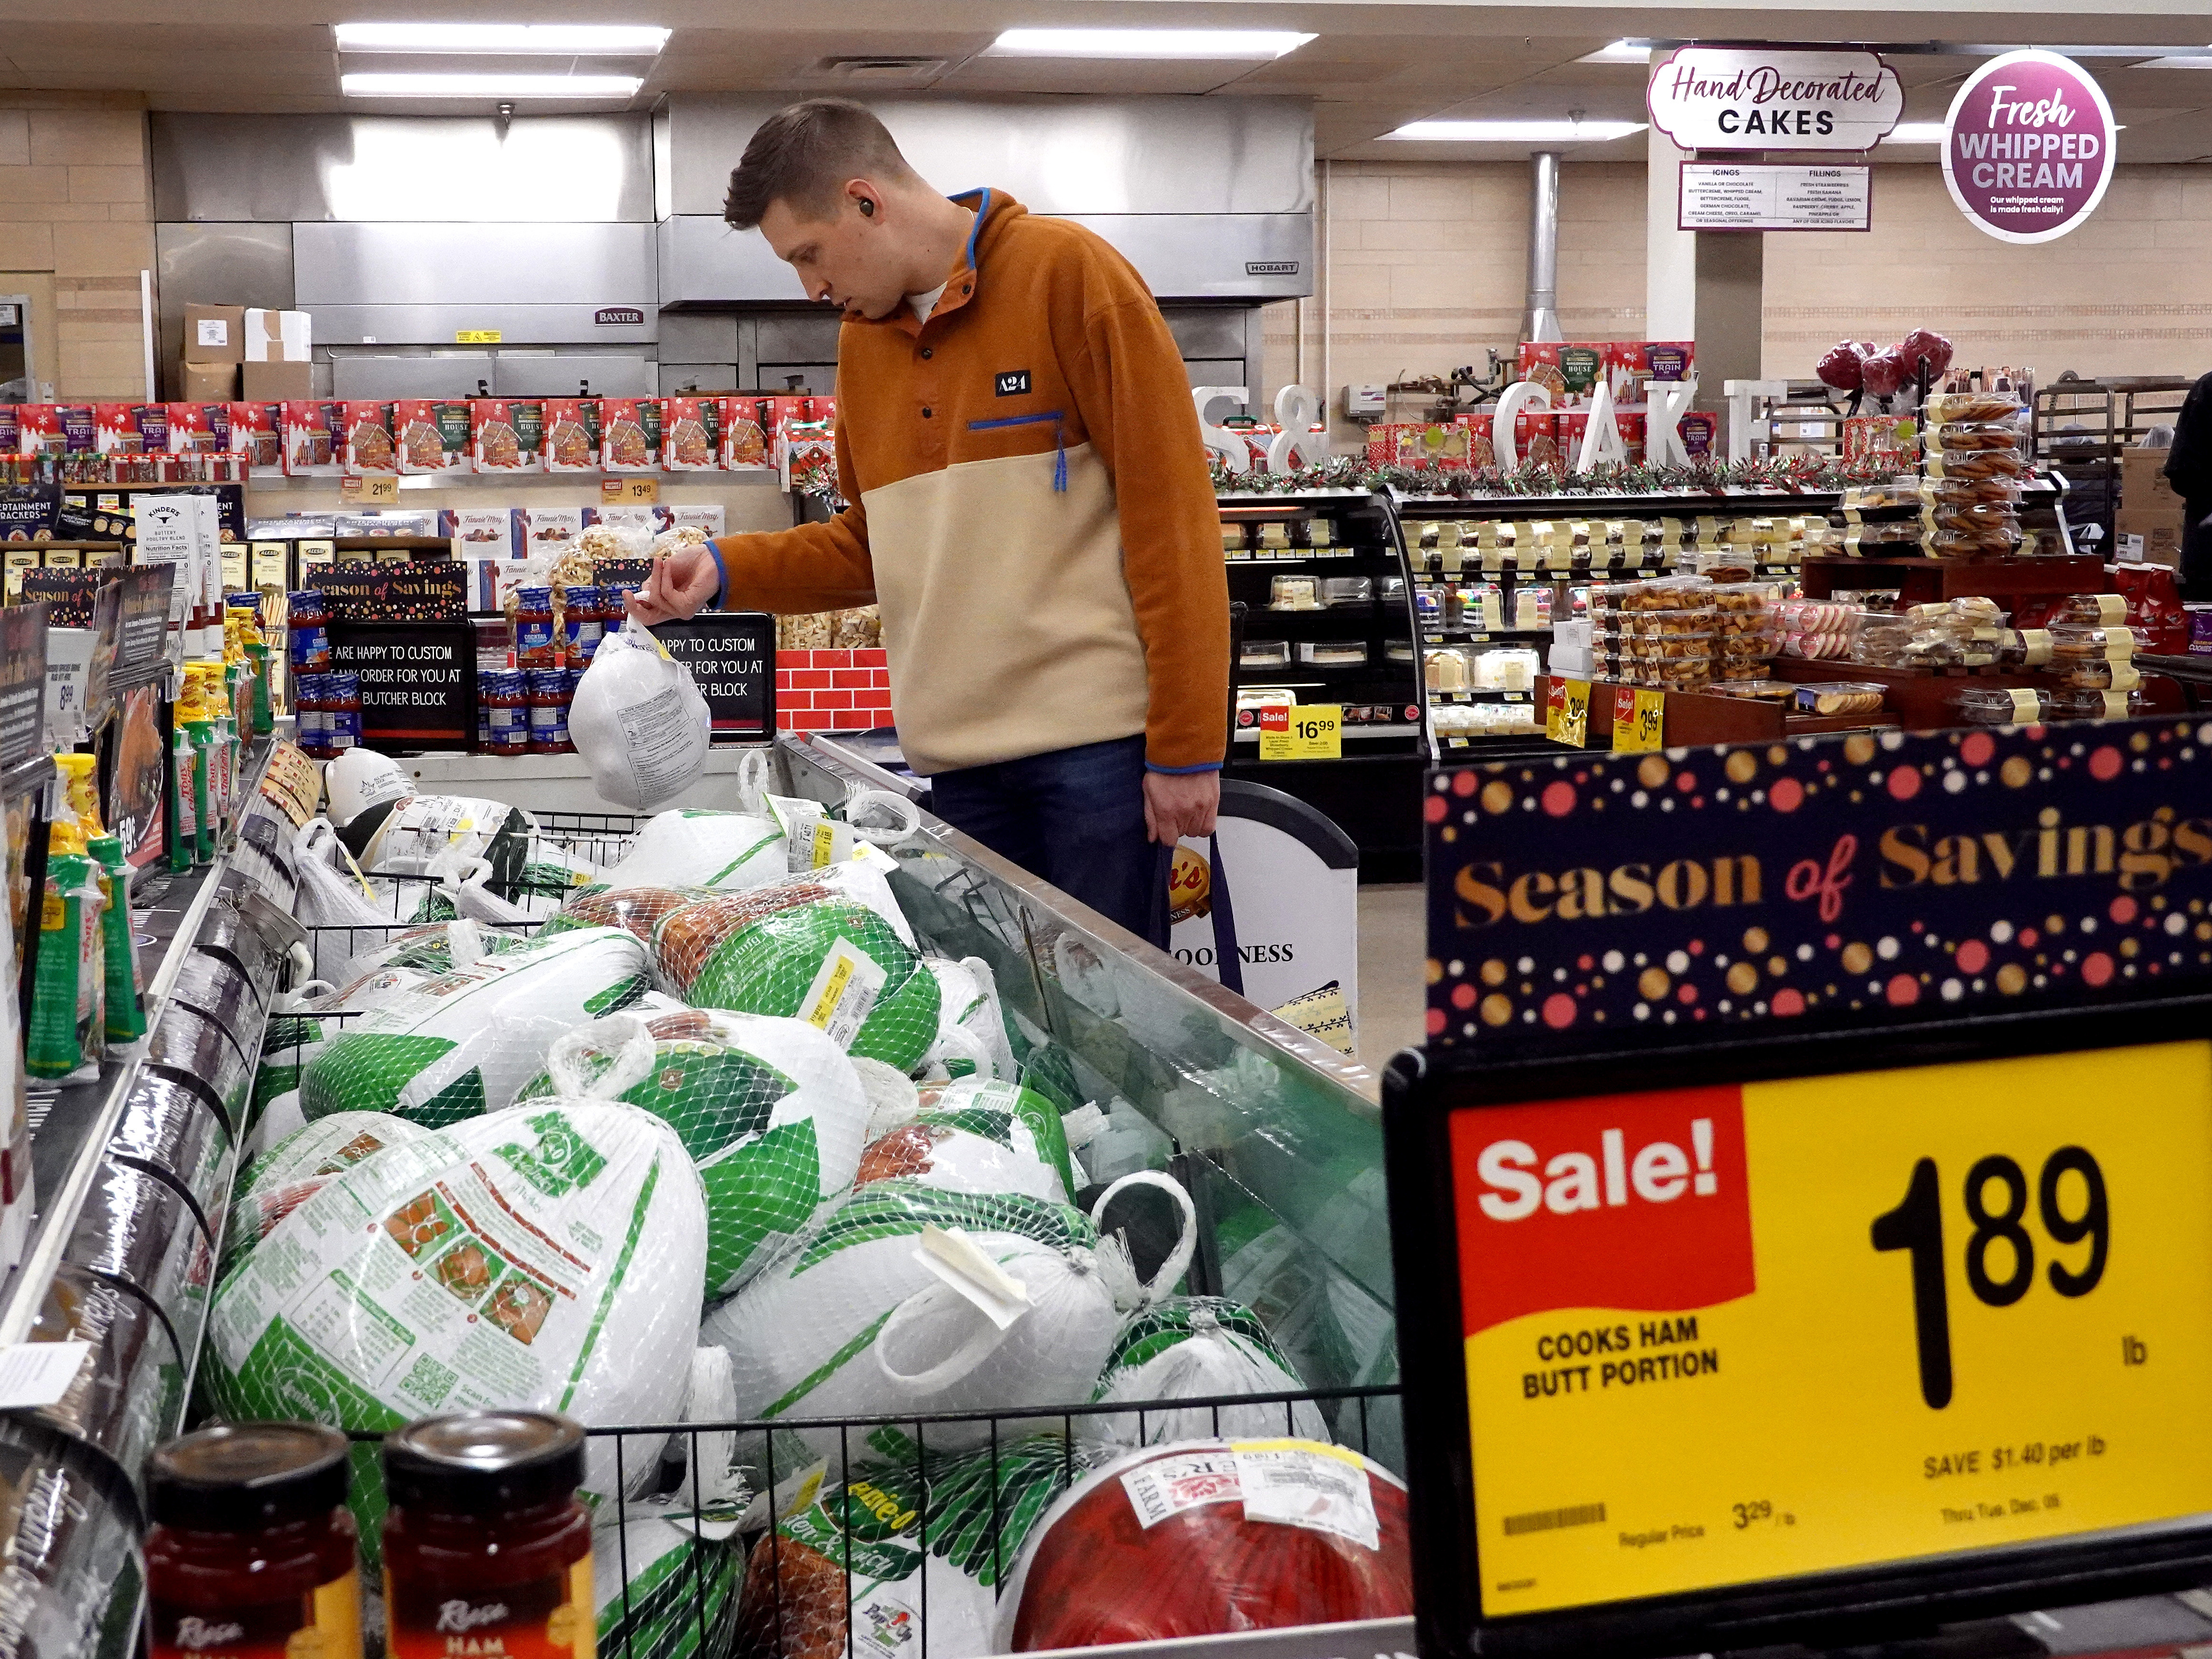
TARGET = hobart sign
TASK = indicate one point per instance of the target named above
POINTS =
(2027, 148)
(1721, 97)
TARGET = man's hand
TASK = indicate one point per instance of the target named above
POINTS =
(679, 585)
(1179, 804)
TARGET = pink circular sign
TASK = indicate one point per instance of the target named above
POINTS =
(2027, 148)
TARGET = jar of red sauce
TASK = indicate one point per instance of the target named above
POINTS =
(536, 643)
(486, 1540)
(251, 1545)
(503, 704)
(551, 691)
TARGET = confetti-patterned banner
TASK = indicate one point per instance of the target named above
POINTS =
(1601, 902)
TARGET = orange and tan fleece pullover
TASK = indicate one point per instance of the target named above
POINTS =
(1031, 507)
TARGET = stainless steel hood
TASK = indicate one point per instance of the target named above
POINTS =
(1210, 199)
(431, 284)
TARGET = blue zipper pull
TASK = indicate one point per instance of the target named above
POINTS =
(1059, 459)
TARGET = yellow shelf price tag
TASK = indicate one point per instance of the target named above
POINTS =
(1566, 712)
(370, 486)
(643, 490)
(1819, 1323)
(1307, 731)
(1639, 719)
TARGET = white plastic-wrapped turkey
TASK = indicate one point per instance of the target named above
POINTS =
(639, 722)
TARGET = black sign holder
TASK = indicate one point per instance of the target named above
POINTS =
(731, 657)
(1422, 1090)
(418, 690)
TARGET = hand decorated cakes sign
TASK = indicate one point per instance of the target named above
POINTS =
(1604, 902)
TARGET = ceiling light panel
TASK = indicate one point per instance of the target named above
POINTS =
(1516, 132)
(1231, 46)
(571, 39)
(1620, 51)
(489, 86)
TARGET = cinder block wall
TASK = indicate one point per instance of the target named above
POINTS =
(1424, 260)
(76, 229)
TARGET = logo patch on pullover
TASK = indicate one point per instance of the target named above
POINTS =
(1014, 382)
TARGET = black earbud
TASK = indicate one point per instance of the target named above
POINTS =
(868, 207)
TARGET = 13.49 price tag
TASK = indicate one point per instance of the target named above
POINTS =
(1722, 1334)
(1306, 731)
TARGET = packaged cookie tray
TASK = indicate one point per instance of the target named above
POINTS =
(2025, 706)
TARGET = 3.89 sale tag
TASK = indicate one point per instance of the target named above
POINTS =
(1306, 731)
(1724, 1335)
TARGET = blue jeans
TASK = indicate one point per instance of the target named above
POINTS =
(1075, 817)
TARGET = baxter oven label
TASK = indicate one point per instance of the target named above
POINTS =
(618, 317)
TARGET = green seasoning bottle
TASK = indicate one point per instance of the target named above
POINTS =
(55, 1044)
(203, 737)
(126, 1020)
(184, 837)
(264, 720)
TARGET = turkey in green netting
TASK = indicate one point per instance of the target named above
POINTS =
(770, 1109)
(802, 950)
(975, 1136)
(462, 1042)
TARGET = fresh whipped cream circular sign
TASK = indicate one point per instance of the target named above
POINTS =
(2027, 148)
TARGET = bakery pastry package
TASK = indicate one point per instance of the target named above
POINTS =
(314, 438)
(432, 434)
(368, 443)
(572, 434)
(629, 434)
(507, 434)
(1841, 697)
(692, 434)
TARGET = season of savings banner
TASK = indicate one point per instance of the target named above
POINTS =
(1598, 902)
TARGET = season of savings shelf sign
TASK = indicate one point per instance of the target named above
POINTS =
(2028, 146)
(1985, 1298)
(1761, 98)
(1616, 901)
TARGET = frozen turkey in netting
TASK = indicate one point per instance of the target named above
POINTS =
(639, 722)
(769, 1110)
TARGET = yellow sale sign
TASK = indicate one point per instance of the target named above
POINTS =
(1306, 731)
(1730, 1334)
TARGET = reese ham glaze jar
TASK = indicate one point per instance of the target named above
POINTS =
(252, 1554)
(486, 1540)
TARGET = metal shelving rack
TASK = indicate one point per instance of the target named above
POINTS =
(2080, 428)
(1373, 791)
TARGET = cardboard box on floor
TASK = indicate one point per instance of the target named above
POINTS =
(274, 383)
(2152, 536)
(277, 336)
(209, 383)
(214, 334)
(2143, 481)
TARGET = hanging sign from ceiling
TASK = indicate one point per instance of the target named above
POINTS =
(1794, 97)
(2027, 146)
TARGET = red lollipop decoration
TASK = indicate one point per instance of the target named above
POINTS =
(1925, 342)
(1884, 374)
(1840, 367)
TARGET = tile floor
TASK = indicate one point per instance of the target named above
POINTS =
(1393, 945)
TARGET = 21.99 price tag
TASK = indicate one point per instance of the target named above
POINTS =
(1306, 731)
(1722, 1334)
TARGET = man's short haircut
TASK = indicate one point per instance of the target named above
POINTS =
(803, 155)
